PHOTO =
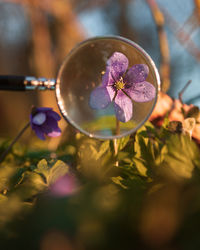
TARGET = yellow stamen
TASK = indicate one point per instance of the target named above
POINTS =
(119, 85)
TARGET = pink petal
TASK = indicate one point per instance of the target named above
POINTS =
(137, 73)
(101, 97)
(123, 107)
(64, 186)
(54, 133)
(141, 92)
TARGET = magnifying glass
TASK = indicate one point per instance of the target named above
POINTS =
(83, 72)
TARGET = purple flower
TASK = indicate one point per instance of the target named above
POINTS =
(44, 121)
(122, 85)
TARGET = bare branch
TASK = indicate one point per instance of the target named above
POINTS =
(180, 95)
(182, 36)
(163, 42)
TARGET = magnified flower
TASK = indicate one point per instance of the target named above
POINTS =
(122, 85)
(44, 121)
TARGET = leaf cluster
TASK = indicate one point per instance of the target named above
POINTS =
(126, 190)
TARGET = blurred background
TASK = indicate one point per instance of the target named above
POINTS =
(35, 37)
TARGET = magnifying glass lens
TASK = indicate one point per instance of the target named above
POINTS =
(83, 71)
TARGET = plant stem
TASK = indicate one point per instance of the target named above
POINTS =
(115, 141)
(117, 127)
(115, 151)
(183, 90)
(3, 155)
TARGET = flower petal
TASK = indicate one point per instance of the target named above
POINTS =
(123, 107)
(39, 132)
(55, 133)
(117, 65)
(39, 118)
(141, 92)
(107, 78)
(54, 115)
(49, 126)
(44, 121)
(137, 73)
(43, 109)
(101, 97)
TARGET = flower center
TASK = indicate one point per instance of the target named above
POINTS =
(39, 118)
(119, 84)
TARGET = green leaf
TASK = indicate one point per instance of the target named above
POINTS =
(160, 157)
(141, 168)
(118, 180)
(122, 142)
(148, 147)
(33, 184)
(124, 157)
(143, 149)
(51, 173)
(105, 146)
(135, 183)
(183, 155)
(43, 169)
(18, 176)
(56, 171)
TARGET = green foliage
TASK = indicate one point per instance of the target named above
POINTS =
(51, 173)
(122, 185)
(182, 156)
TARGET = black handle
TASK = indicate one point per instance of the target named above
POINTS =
(20, 83)
(15, 83)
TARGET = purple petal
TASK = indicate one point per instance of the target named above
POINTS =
(39, 118)
(49, 126)
(137, 73)
(43, 109)
(117, 65)
(141, 92)
(55, 133)
(107, 78)
(123, 107)
(54, 115)
(45, 121)
(39, 132)
(101, 97)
